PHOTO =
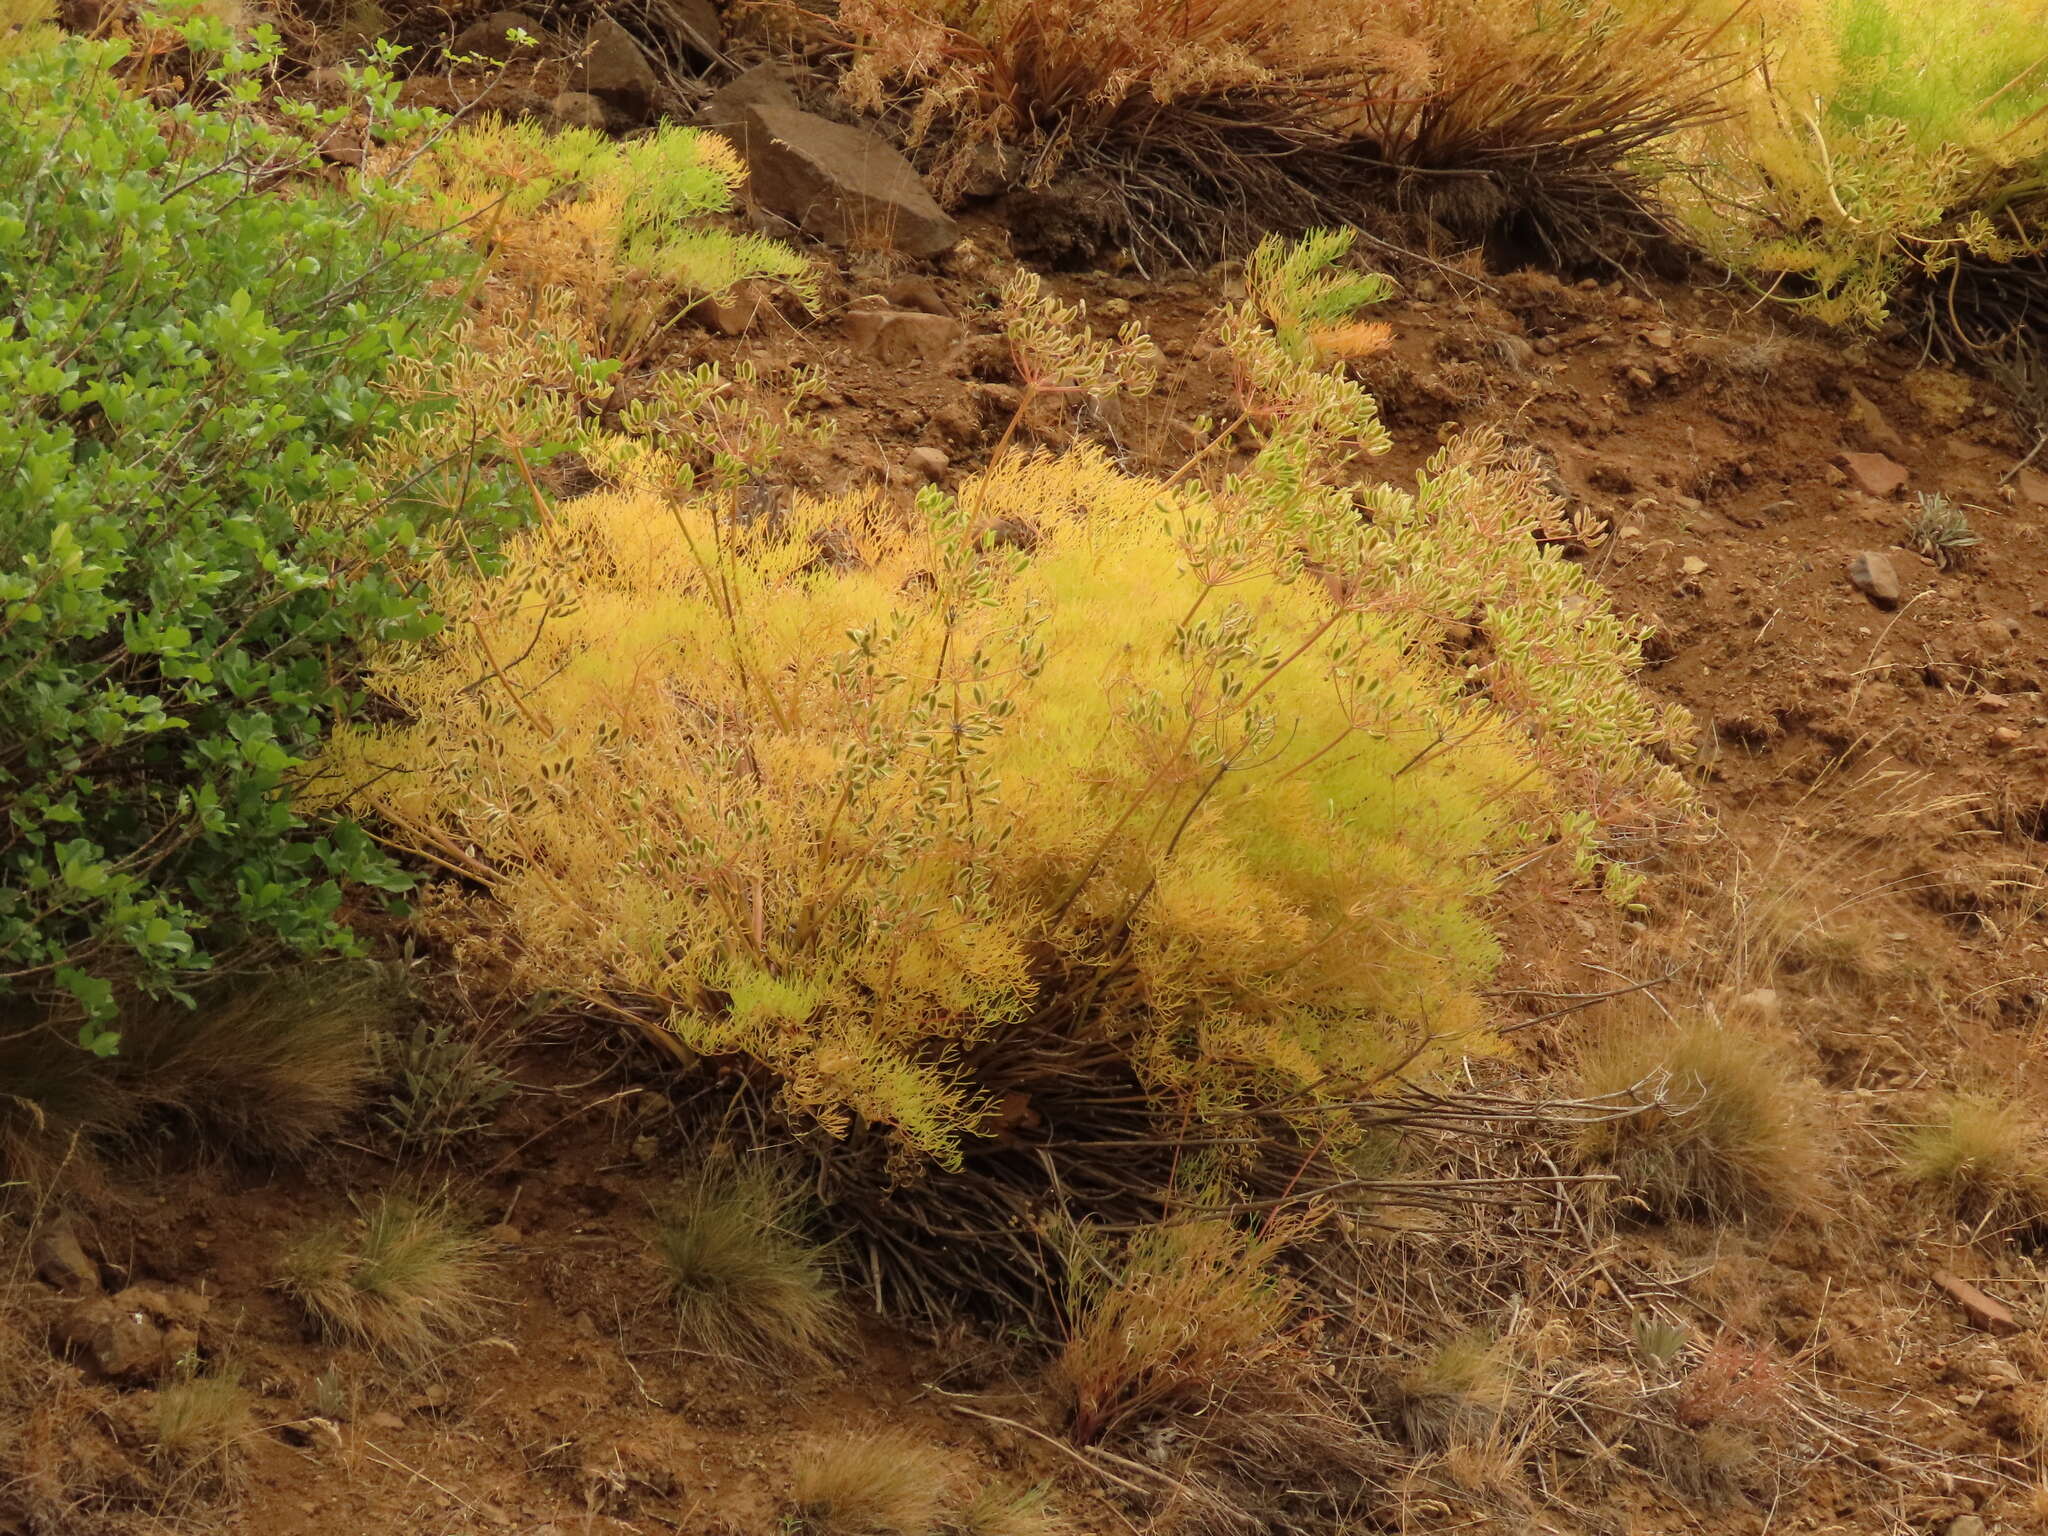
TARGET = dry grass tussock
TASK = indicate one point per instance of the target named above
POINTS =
(745, 1282)
(200, 1419)
(403, 1279)
(1985, 1158)
(870, 1485)
(1217, 120)
(1193, 1335)
(1728, 1130)
(269, 1069)
(1004, 1509)
(1455, 1395)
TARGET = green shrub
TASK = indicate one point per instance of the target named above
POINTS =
(625, 227)
(1886, 150)
(199, 536)
(1192, 777)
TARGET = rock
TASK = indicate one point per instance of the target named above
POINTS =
(959, 424)
(932, 463)
(390, 1423)
(486, 39)
(60, 1260)
(1874, 576)
(2005, 738)
(1660, 337)
(617, 72)
(991, 170)
(700, 29)
(1986, 1312)
(1992, 638)
(847, 186)
(169, 1305)
(1967, 1525)
(580, 109)
(117, 1343)
(2033, 486)
(1693, 565)
(765, 85)
(1871, 426)
(901, 335)
(1875, 474)
(919, 293)
(734, 313)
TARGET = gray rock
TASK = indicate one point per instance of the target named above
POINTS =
(931, 463)
(1874, 577)
(580, 109)
(700, 30)
(847, 186)
(617, 72)
(487, 39)
(765, 85)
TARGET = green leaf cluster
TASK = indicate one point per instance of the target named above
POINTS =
(197, 548)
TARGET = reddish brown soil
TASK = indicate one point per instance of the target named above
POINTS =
(1877, 792)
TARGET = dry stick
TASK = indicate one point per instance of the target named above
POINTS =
(1066, 1449)
(1585, 1000)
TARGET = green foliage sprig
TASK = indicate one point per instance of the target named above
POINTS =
(197, 540)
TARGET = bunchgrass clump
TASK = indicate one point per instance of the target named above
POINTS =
(1712, 1123)
(265, 1068)
(884, 1484)
(745, 1282)
(402, 1279)
(200, 1418)
(1454, 1395)
(1186, 1312)
(1004, 1509)
(1218, 121)
(1986, 1159)
(1942, 531)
